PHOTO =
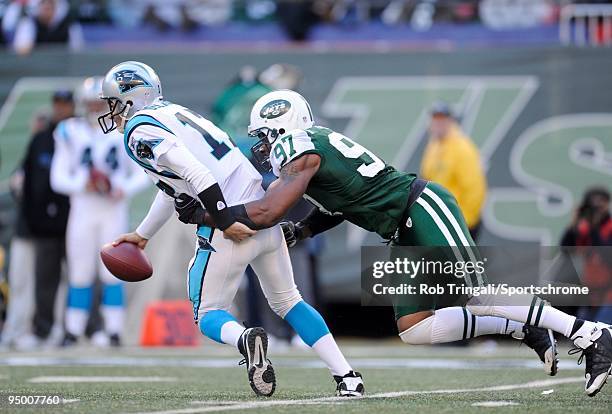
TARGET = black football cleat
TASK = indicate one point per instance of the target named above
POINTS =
(253, 345)
(69, 340)
(115, 340)
(597, 351)
(350, 385)
(544, 344)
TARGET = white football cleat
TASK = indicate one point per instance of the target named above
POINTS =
(350, 385)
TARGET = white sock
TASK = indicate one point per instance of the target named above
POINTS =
(456, 323)
(328, 351)
(76, 321)
(113, 319)
(558, 321)
(230, 332)
(538, 313)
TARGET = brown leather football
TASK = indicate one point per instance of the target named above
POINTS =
(126, 261)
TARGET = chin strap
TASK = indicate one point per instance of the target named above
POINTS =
(124, 114)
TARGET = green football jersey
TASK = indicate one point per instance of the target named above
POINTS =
(351, 180)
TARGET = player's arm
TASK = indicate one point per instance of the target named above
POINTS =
(282, 194)
(160, 211)
(62, 179)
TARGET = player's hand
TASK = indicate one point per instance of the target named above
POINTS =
(133, 238)
(189, 210)
(289, 232)
(238, 232)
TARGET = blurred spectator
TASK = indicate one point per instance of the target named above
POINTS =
(186, 14)
(17, 328)
(96, 173)
(35, 207)
(591, 232)
(507, 14)
(165, 14)
(297, 18)
(49, 23)
(46, 214)
(232, 108)
(452, 160)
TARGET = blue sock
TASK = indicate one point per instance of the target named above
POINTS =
(213, 321)
(79, 297)
(307, 322)
(112, 295)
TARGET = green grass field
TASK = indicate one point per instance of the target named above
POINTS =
(399, 379)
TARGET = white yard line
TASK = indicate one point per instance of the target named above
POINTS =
(84, 378)
(249, 405)
(378, 363)
(494, 403)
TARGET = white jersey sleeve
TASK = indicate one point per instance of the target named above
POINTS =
(289, 147)
(160, 211)
(66, 178)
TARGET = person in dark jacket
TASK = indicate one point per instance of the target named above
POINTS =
(50, 23)
(590, 235)
(45, 214)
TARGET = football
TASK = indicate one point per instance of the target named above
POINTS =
(127, 262)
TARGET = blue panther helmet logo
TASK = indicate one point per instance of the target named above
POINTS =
(129, 79)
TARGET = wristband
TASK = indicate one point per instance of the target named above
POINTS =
(214, 203)
(240, 214)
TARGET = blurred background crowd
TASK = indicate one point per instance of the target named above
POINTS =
(26, 23)
(454, 126)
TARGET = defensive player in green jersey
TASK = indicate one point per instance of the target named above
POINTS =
(348, 182)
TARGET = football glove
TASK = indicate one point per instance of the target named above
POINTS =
(189, 210)
(292, 231)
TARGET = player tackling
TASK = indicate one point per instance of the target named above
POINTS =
(348, 182)
(196, 164)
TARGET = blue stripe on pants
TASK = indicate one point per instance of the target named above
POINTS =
(307, 322)
(197, 271)
(213, 321)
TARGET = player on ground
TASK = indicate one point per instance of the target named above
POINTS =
(99, 178)
(348, 182)
(194, 163)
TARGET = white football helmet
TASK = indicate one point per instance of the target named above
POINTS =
(275, 114)
(127, 88)
(88, 100)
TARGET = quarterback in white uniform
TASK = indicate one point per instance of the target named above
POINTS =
(99, 178)
(193, 162)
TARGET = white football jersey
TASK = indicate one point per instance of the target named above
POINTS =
(166, 140)
(81, 147)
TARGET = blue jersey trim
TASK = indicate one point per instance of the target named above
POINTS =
(198, 270)
(131, 126)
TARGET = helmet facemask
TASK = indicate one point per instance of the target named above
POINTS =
(261, 149)
(116, 109)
